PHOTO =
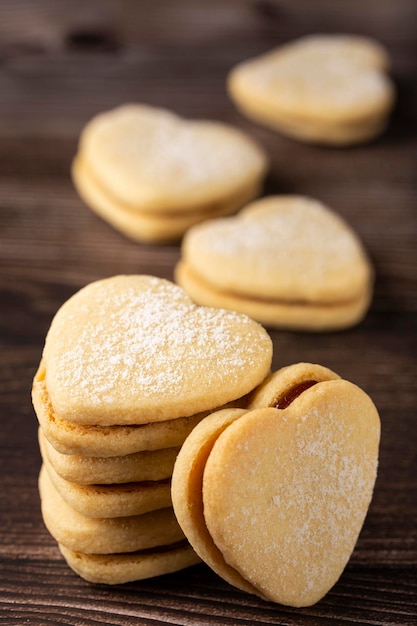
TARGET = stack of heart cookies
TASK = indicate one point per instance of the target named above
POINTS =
(130, 366)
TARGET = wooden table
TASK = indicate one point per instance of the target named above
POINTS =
(60, 63)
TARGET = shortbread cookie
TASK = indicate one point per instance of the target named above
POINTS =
(119, 500)
(329, 89)
(287, 261)
(107, 441)
(276, 497)
(152, 174)
(104, 536)
(114, 569)
(135, 349)
(88, 470)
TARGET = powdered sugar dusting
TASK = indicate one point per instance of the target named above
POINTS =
(286, 245)
(308, 497)
(154, 148)
(279, 228)
(319, 74)
(329, 499)
(133, 340)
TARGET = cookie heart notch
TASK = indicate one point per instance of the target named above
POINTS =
(135, 349)
(274, 499)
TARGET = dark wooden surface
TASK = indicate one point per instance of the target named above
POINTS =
(60, 63)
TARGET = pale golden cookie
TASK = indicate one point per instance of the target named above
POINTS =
(152, 174)
(105, 441)
(284, 491)
(119, 500)
(114, 569)
(88, 470)
(287, 261)
(329, 89)
(135, 349)
(104, 536)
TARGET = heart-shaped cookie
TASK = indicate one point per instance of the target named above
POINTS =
(287, 261)
(69, 438)
(283, 491)
(153, 159)
(135, 349)
(331, 89)
(153, 174)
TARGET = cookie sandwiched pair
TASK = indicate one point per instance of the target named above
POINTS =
(273, 496)
(130, 366)
(326, 89)
(287, 261)
(152, 174)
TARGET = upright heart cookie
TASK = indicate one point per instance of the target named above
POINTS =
(152, 174)
(273, 499)
(287, 261)
(329, 89)
(135, 349)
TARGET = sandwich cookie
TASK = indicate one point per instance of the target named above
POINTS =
(102, 535)
(112, 500)
(326, 89)
(273, 498)
(130, 350)
(152, 174)
(107, 441)
(150, 465)
(287, 261)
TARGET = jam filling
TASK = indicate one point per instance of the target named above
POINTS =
(291, 394)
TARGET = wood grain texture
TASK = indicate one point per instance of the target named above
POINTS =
(62, 62)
